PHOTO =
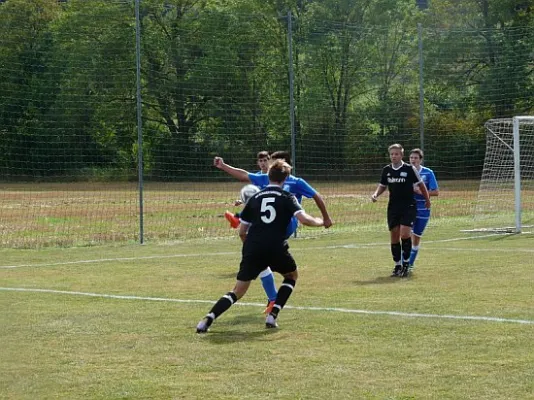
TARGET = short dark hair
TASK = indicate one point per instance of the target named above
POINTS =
(263, 154)
(417, 151)
(282, 155)
(279, 171)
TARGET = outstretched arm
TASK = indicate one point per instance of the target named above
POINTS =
(322, 207)
(238, 173)
(308, 220)
(379, 190)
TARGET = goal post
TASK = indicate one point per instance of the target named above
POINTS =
(506, 196)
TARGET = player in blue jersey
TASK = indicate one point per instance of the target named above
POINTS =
(423, 213)
(297, 186)
(262, 159)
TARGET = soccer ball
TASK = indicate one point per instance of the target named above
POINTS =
(247, 192)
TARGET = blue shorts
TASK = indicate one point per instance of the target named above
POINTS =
(292, 227)
(421, 220)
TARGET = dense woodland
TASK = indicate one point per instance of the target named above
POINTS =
(215, 78)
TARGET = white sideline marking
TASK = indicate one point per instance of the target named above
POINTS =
(333, 309)
(230, 253)
(102, 260)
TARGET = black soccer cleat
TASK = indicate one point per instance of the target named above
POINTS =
(396, 271)
(405, 270)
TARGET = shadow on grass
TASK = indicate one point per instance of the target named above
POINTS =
(381, 280)
(239, 328)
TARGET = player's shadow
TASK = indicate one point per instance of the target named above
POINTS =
(227, 275)
(381, 280)
(240, 328)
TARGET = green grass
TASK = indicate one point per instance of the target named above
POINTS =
(70, 345)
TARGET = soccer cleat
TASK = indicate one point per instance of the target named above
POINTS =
(405, 270)
(203, 326)
(234, 222)
(269, 308)
(396, 271)
(270, 322)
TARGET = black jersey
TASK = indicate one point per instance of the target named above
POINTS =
(400, 182)
(269, 213)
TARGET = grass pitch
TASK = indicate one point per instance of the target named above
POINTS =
(118, 322)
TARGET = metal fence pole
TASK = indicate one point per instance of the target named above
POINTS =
(291, 89)
(421, 89)
(139, 119)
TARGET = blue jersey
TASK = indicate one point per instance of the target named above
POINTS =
(429, 179)
(296, 186)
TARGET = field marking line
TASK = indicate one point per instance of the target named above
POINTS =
(328, 309)
(232, 253)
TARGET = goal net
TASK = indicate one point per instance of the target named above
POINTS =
(506, 195)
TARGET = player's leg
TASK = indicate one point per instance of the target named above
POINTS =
(418, 228)
(222, 305)
(233, 219)
(407, 220)
(284, 264)
(249, 268)
(406, 246)
(394, 234)
(267, 281)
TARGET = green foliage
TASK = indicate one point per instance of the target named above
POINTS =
(214, 80)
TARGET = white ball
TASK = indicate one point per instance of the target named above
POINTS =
(247, 192)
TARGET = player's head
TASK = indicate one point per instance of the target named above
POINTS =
(279, 171)
(396, 152)
(416, 157)
(282, 155)
(263, 159)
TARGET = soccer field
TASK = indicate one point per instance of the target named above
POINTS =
(118, 322)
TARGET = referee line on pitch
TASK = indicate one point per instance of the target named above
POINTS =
(244, 304)
(233, 253)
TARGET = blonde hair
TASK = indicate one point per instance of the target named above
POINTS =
(396, 146)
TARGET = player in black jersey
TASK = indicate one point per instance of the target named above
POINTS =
(264, 222)
(400, 178)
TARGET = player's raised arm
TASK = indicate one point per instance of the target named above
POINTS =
(308, 220)
(238, 173)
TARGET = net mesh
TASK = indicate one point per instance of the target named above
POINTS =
(214, 81)
(495, 207)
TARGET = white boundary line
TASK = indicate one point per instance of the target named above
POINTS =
(231, 253)
(329, 309)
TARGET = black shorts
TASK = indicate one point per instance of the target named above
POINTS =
(401, 214)
(256, 258)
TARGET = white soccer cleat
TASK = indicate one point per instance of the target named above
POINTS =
(203, 326)
(270, 322)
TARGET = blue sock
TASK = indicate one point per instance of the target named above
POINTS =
(267, 281)
(413, 255)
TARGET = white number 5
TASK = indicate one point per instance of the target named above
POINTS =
(266, 207)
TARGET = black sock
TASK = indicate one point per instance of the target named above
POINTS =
(396, 252)
(237, 215)
(223, 304)
(406, 249)
(283, 295)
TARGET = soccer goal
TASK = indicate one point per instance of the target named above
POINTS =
(506, 196)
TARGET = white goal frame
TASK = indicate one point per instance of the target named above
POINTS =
(516, 151)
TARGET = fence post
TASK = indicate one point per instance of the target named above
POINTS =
(291, 89)
(421, 89)
(139, 119)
